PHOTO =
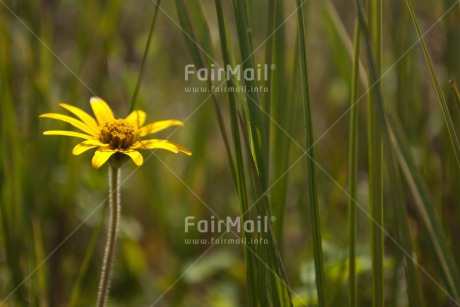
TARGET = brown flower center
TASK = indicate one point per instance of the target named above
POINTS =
(119, 134)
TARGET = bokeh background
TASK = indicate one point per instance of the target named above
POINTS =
(53, 204)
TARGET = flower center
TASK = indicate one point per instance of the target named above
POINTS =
(119, 134)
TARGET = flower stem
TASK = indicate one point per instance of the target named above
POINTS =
(114, 203)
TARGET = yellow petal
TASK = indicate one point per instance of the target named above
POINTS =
(74, 122)
(85, 117)
(101, 110)
(136, 118)
(96, 143)
(136, 145)
(158, 126)
(165, 144)
(101, 156)
(86, 145)
(135, 156)
(81, 148)
(69, 133)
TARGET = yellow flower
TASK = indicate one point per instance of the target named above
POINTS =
(113, 137)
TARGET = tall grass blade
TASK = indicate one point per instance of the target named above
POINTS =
(402, 230)
(278, 271)
(284, 94)
(40, 280)
(240, 169)
(196, 32)
(394, 136)
(311, 173)
(268, 281)
(144, 58)
(375, 158)
(453, 86)
(257, 127)
(198, 39)
(11, 184)
(353, 170)
(439, 92)
(258, 138)
(269, 49)
(376, 117)
(77, 288)
(431, 225)
(342, 43)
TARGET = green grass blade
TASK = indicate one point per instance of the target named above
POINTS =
(311, 173)
(375, 158)
(453, 86)
(40, 280)
(76, 290)
(269, 48)
(239, 170)
(267, 286)
(285, 76)
(11, 184)
(443, 259)
(432, 227)
(439, 92)
(144, 58)
(353, 170)
(199, 43)
(256, 128)
(280, 281)
(402, 226)
(341, 42)
(376, 116)
(196, 32)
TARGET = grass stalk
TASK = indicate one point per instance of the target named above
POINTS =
(431, 226)
(453, 86)
(414, 289)
(442, 100)
(144, 58)
(256, 128)
(394, 136)
(282, 113)
(274, 255)
(270, 288)
(311, 173)
(269, 48)
(199, 43)
(40, 280)
(76, 290)
(342, 42)
(114, 203)
(11, 173)
(239, 169)
(353, 170)
(267, 280)
(375, 158)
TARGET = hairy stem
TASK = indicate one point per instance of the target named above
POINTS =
(114, 203)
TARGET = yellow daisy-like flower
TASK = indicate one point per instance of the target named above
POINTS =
(111, 136)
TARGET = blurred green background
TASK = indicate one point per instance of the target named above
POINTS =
(52, 203)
